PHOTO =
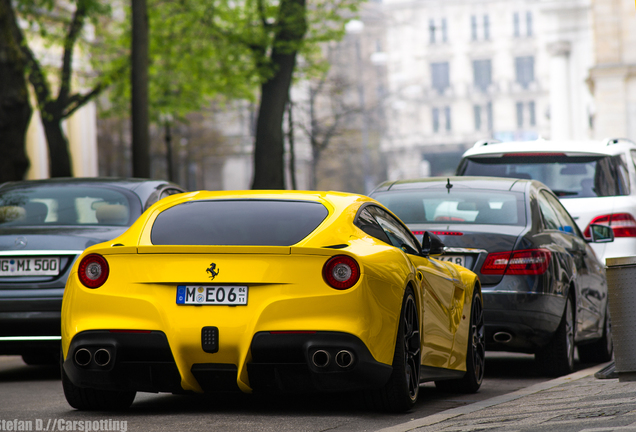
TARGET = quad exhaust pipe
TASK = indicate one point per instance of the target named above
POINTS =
(322, 358)
(344, 358)
(102, 357)
(502, 337)
(84, 357)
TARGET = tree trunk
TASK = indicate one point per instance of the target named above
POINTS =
(15, 109)
(59, 156)
(139, 77)
(269, 163)
(292, 150)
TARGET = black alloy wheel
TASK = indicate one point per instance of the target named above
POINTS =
(401, 391)
(475, 353)
(557, 357)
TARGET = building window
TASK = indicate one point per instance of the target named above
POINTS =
(519, 115)
(486, 27)
(524, 67)
(529, 24)
(444, 31)
(531, 114)
(473, 27)
(482, 74)
(439, 72)
(515, 19)
(532, 119)
(447, 114)
(477, 110)
(431, 29)
(435, 120)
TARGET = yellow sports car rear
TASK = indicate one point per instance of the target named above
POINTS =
(268, 291)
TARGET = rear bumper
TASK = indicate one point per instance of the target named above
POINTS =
(529, 318)
(28, 325)
(280, 362)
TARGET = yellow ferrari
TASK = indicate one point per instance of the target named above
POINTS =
(269, 291)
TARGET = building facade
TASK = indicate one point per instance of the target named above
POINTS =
(613, 77)
(462, 70)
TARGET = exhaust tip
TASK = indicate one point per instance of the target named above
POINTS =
(83, 357)
(321, 358)
(102, 357)
(344, 358)
(502, 337)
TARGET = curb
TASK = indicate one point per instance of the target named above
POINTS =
(466, 409)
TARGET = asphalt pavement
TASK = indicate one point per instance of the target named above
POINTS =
(580, 402)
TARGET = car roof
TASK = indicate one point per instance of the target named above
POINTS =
(611, 146)
(487, 183)
(128, 183)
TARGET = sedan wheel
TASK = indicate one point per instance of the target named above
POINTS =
(557, 358)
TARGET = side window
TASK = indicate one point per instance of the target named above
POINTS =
(367, 223)
(567, 223)
(397, 234)
(622, 175)
(633, 153)
(167, 192)
(550, 219)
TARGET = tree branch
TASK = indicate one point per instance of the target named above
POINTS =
(69, 43)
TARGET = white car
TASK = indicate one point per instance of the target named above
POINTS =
(595, 180)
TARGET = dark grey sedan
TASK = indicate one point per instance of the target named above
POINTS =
(544, 288)
(44, 226)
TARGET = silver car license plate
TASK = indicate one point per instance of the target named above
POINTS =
(30, 266)
(455, 259)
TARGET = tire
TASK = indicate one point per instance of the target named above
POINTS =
(401, 391)
(602, 350)
(475, 354)
(557, 358)
(89, 399)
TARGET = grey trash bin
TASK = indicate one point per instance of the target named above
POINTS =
(621, 281)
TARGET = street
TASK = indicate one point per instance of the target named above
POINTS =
(34, 394)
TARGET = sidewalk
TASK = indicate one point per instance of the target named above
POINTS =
(574, 403)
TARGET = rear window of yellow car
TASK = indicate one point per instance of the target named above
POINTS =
(237, 222)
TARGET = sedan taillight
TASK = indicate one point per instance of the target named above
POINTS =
(341, 272)
(93, 271)
(623, 224)
(523, 262)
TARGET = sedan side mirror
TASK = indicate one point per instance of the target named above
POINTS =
(601, 233)
(431, 244)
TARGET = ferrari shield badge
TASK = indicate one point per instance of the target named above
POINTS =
(212, 270)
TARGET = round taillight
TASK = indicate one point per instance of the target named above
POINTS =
(93, 271)
(341, 272)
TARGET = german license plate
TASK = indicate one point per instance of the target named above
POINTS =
(455, 259)
(211, 295)
(29, 266)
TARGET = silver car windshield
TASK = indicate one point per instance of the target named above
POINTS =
(67, 205)
(460, 206)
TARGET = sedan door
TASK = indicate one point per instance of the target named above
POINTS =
(592, 287)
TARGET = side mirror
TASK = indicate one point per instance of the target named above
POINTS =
(431, 244)
(601, 233)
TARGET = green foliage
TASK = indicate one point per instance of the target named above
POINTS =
(204, 49)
